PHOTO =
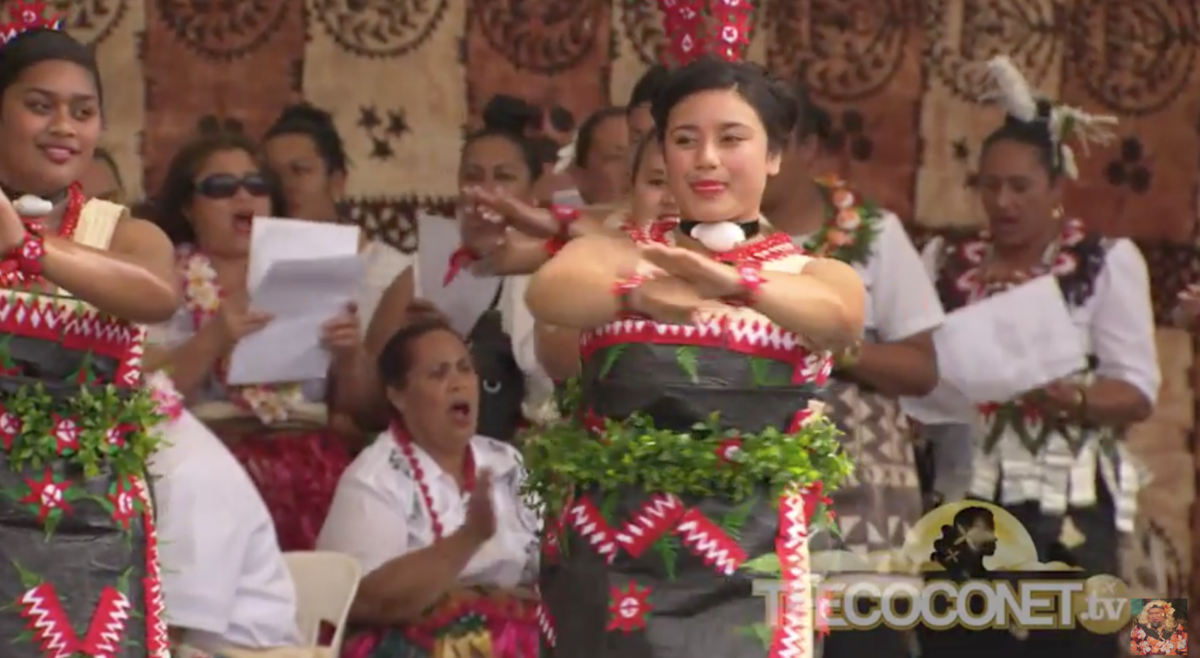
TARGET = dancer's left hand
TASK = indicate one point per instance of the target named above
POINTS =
(342, 334)
(710, 278)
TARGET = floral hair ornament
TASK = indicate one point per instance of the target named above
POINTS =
(683, 25)
(26, 16)
(1064, 123)
(687, 29)
(566, 157)
(1167, 608)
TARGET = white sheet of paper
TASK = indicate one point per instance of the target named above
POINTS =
(301, 295)
(1010, 343)
(274, 239)
(469, 294)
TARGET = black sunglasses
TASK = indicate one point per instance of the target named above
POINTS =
(224, 186)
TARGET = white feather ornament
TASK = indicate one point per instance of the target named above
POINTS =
(1015, 92)
(566, 158)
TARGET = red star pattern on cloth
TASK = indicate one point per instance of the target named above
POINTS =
(728, 450)
(66, 435)
(115, 435)
(48, 494)
(123, 502)
(628, 608)
(10, 428)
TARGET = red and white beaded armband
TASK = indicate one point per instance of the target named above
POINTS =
(624, 289)
(750, 280)
(27, 255)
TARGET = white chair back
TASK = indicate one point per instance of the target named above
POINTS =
(326, 584)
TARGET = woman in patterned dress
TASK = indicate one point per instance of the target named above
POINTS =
(1053, 457)
(707, 354)
(78, 566)
(214, 188)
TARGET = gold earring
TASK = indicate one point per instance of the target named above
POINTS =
(1058, 213)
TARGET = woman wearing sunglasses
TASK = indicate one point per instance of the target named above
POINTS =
(214, 188)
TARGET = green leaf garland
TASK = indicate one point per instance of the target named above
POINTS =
(688, 358)
(564, 457)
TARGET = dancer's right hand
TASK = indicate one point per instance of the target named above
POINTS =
(667, 299)
(236, 320)
(502, 208)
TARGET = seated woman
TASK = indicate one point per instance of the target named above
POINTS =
(214, 188)
(434, 514)
(227, 589)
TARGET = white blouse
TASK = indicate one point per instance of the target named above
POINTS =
(378, 512)
(224, 578)
(1116, 324)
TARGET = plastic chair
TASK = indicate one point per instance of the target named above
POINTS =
(326, 584)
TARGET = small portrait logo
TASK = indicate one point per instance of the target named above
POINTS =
(968, 564)
(1159, 627)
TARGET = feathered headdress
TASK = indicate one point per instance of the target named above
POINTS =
(1064, 123)
(695, 27)
(25, 16)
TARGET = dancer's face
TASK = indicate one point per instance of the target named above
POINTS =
(49, 124)
(715, 148)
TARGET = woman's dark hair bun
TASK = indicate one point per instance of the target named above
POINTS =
(211, 125)
(306, 112)
(511, 114)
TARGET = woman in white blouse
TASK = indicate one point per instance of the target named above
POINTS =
(434, 514)
(1053, 457)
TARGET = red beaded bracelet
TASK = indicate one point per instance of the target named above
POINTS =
(565, 216)
(750, 279)
(554, 245)
(28, 254)
(624, 289)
